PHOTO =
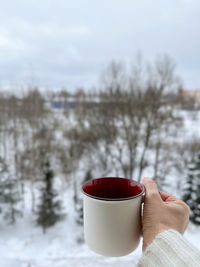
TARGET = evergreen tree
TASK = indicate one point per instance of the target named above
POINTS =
(9, 195)
(49, 210)
(191, 190)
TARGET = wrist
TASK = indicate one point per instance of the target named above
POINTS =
(151, 234)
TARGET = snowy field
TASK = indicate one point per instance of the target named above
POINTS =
(24, 244)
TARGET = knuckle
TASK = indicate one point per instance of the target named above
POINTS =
(186, 208)
(153, 195)
(151, 182)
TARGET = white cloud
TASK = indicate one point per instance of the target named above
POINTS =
(3, 41)
(73, 40)
(61, 31)
(8, 44)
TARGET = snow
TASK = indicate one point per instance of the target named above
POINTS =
(24, 244)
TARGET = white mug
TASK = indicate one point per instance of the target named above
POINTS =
(112, 215)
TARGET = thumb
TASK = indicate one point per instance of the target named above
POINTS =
(151, 189)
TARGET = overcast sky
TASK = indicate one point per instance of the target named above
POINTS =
(67, 43)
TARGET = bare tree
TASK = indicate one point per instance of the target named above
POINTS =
(133, 108)
(33, 114)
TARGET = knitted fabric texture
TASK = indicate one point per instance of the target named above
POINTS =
(170, 249)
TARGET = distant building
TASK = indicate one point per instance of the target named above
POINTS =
(191, 94)
(59, 104)
(191, 98)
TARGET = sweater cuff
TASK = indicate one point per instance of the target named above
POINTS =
(169, 248)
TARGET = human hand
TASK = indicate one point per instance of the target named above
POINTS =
(162, 211)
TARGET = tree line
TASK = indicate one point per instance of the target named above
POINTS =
(130, 125)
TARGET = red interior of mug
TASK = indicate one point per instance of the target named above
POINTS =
(112, 188)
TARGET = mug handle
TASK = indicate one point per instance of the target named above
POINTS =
(142, 206)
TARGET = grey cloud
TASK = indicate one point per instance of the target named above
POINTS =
(69, 42)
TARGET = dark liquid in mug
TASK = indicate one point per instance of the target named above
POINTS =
(112, 188)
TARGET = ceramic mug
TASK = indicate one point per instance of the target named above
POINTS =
(112, 215)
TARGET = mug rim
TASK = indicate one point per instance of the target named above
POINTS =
(114, 199)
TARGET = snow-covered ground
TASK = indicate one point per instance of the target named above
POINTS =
(25, 245)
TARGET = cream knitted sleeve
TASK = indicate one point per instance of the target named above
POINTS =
(170, 249)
